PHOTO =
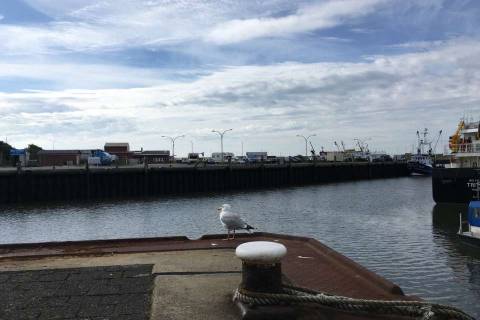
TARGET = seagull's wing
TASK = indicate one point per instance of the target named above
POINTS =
(232, 221)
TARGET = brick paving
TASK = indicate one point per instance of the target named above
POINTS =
(114, 292)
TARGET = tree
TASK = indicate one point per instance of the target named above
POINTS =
(33, 150)
(4, 153)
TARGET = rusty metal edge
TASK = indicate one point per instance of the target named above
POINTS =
(48, 244)
(341, 259)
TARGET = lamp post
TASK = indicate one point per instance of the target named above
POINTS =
(306, 142)
(172, 139)
(221, 133)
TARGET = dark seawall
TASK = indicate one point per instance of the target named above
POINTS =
(104, 183)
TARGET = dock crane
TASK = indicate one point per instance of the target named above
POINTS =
(363, 147)
(312, 151)
(454, 140)
(336, 145)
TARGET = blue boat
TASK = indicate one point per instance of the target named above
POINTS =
(472, 234)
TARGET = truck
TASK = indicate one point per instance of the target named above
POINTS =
(100, 158)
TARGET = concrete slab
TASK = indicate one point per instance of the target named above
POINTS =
(108, 293)
(194, 261)
(197, 261)
(200, 296)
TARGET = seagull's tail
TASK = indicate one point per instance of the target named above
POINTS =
(248, 228)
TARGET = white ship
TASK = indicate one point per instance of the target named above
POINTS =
(459, 180)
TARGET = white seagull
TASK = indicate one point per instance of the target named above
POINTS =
(232, 221)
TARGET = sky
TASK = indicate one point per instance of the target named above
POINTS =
(79, 73)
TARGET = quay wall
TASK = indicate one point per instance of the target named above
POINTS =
(26, 186)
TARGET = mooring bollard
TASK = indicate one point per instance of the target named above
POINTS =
(261, 265)
(262, 273)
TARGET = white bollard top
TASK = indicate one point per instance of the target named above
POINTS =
(261, 251)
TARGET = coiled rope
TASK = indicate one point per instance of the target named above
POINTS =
(296, 295)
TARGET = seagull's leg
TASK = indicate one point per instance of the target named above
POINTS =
(228, 234)
(233, 234)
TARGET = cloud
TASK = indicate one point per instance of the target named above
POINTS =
(387, 97)
(86, 26)
(309, 18)
(81, 75)
(92, 26)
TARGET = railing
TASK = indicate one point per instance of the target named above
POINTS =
(465, 147)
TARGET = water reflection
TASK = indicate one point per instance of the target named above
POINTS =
(445, 217)
(445, 223)
(474, 269)
(461, 258)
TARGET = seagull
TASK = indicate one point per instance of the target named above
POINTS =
(232, 221)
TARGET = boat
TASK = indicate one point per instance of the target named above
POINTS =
(472, 234)
(459, 180)
(421, 163)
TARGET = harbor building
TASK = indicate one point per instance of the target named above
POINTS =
(59, 157)
(335, 156)
(121, 150)
(151, 156)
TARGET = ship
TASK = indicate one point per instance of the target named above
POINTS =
(459, 180)
(472, 234)
(422, 162)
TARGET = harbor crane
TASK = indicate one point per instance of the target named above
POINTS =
(336, 145)
(312, 151)
(362, 144)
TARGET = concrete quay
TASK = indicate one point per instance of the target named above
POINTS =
(167, 278)
(109, 183)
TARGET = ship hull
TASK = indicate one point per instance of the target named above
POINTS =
(469, 239)
(455, 185)
(419, 168)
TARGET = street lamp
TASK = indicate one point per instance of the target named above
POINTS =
(173, 143)
(221, 133)
(306, 142)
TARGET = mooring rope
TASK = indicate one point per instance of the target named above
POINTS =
(296, 295)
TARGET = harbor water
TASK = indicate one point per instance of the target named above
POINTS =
(391, 226)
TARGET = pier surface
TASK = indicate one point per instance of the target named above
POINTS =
(165, 278)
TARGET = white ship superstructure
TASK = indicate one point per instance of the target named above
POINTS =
(465, 145)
